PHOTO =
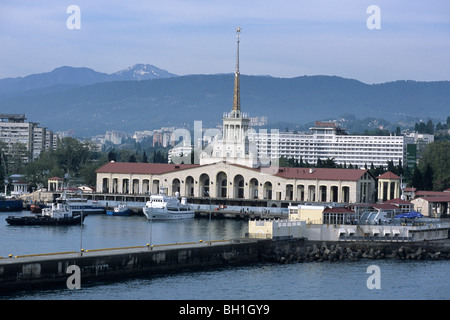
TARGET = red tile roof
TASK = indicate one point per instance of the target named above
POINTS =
(388, 175)
(142, 168)
(284, 172)
(338, 210)
(384, 206)
(436, 199)
(396, 201)
(321, 173)
(431, 194)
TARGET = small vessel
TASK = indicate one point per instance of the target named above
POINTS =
(120, 210)
(85, 205)
(162, 207)
(37, 207)
(58, 214)
(10, 204)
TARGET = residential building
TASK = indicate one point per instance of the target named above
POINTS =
(328, 141)
(115, 137)
(16, 132)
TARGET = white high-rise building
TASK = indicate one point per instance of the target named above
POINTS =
(328, 141)
(15, 131)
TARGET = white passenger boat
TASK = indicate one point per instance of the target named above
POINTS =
(85, 206)
(162, 207)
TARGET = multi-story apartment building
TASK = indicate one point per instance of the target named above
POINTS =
(328, 141)
(15, 131)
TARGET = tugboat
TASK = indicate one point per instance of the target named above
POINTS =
(60, 214)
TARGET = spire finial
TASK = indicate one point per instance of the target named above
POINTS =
(237, 95)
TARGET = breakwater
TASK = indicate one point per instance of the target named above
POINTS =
(56, 269)
(320, 251)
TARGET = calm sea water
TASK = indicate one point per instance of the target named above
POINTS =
(399, 280)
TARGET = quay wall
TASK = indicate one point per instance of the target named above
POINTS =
(40, 271)
(45, 271)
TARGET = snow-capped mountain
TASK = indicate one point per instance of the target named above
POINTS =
(142, 72)
(79, 76)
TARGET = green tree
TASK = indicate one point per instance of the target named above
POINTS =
(72, 157)
(417, 180)
(437, 157)
(427, 178)
(144, 158)
(112, 156)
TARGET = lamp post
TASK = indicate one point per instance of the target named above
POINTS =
(207, 192)
(81, 234)
(150, 233)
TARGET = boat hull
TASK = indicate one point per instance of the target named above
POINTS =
(44, 220)
(11, 205)
(118, 213)
(162, 214)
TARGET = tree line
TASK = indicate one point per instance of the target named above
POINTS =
(73, 160)
(430, 128)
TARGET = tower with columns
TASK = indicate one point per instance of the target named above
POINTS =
(233, 146)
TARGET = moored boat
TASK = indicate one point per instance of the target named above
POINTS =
(162, 207)
(120, 210)
(58, 214)
(37, 207)
(85, 206)
(10, 204)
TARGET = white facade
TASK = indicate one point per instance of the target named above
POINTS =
(14, 129)
(234, 146)
(270, 229)
(325, 142)
(177, 154)
(306, 222)
(115, 137)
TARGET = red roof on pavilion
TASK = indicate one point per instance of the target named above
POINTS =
(56, 178)
(388, 175)
(338, 210)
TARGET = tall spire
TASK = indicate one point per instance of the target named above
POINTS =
(237, 94)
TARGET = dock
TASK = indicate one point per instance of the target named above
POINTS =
(56, 270)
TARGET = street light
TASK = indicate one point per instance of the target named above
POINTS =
(207, 192)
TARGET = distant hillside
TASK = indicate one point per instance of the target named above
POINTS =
(79, 76)
(150, 104)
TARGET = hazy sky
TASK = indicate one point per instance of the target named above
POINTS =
(285, 38)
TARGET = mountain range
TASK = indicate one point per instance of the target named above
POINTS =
(144, 97)
(78, 76)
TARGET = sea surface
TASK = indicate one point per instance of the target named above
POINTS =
(342, 280)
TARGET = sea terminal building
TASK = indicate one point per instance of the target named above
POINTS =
(229, 180)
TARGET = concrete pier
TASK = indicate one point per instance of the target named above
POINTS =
(50, 270)
(54, 269)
